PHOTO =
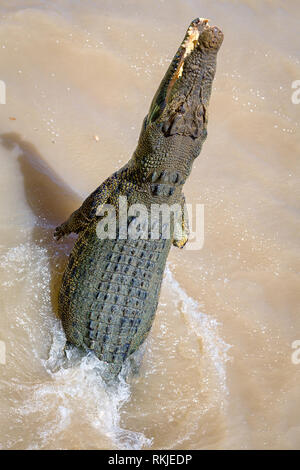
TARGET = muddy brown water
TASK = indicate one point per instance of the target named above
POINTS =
(218, 370)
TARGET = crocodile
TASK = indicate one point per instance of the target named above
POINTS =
(111, 285)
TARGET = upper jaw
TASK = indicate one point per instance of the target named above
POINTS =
(196, 52)
(199, 36)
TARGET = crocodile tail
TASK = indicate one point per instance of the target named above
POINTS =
(111, 372)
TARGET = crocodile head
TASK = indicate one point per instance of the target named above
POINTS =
(179, 107)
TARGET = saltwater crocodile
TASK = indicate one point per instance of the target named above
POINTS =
(110, 288)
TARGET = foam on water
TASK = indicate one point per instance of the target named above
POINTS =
(205, 327)
(58, 390)
(61, 393)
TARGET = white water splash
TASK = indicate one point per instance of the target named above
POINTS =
(58, 391)
(204, 326)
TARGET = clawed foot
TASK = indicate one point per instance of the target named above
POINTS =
(60, 231)
(180, 243)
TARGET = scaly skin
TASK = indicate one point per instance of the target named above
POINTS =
(110, 288)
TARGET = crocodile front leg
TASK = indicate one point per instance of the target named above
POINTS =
(82, 217)
(74, 224)
(184, 232)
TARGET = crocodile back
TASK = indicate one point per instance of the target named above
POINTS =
(109, 293)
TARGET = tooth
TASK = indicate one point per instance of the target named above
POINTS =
(180, 71)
